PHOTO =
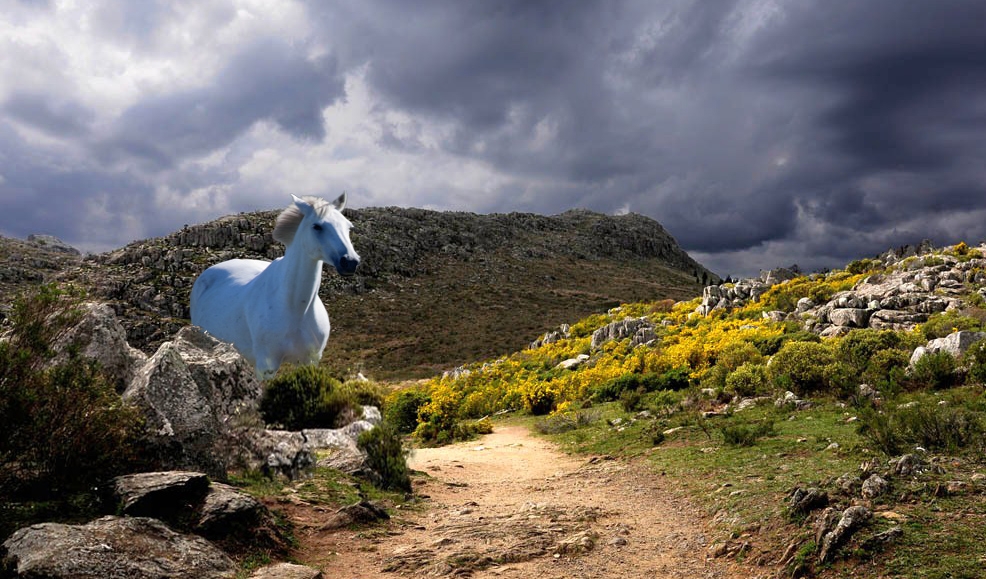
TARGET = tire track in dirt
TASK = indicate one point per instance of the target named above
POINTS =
(511, 505)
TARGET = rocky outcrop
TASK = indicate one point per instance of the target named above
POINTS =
(639, 330)
(191, 391)
(851, 520)
(913, 286)
(114, 548)
(954, 344)
(52, 243)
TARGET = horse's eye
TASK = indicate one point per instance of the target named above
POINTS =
(318, 227)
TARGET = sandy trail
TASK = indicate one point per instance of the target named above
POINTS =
(511, 505)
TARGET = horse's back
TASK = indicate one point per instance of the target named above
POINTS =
(219, 287)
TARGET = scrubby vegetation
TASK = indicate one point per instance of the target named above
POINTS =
(736, 396)
(64, 425)
(65, 429)
(308, 397)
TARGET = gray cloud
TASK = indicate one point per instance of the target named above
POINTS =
(759, 133)
(267, 80)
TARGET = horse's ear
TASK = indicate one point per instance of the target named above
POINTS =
(340, 202)
(305, 207)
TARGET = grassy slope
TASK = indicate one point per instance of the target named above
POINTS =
(448, 317)
(745, 489)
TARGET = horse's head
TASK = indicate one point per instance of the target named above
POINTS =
(321, 229)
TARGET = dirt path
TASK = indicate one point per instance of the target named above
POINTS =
(510, 505)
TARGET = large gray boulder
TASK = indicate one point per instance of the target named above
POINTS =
(100, 336)
(273, 452)
(114, 548)
(954, 344)
(160, 495)
(191, 391)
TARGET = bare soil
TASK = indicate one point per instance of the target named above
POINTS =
(511, 505)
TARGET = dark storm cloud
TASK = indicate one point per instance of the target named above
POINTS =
(874, 107)
(60, 118)
(268, 80)
(758, 133)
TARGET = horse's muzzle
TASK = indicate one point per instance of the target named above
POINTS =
(347, 266)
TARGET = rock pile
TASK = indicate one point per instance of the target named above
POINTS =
(198, 398)
(914, 285)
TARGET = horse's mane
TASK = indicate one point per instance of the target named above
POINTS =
(287, 222)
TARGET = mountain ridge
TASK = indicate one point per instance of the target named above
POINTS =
(435, 289)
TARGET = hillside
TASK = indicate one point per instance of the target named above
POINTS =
(435, 289)
(830, 425)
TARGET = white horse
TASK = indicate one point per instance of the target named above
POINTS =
(270, 311)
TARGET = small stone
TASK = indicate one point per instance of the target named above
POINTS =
(874, 486)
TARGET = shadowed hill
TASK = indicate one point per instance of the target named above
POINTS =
(435, 289)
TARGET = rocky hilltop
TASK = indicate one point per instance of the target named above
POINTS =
(435, 289)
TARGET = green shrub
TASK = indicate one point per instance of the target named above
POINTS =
(862, 266)
(401, 410)
(735, 354)
(65, 428)
(935, 370)
(674, 379)
(744, 434)
(858, 346)
(715, 378)
(886, 369)
(307, 397)
(771, 345)
(975, 359)
(928, 424)
(631, 400)
(748, 380)
(649, 382)
(385, 455)
(944, 323)
(841, 379)
(801, 366)
(431, 433)
(364, 392)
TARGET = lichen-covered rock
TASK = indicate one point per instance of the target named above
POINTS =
(114, 548)
(160, 495)
(190, 392)
(954, 344)
(100, 337)
(286, 571)
(874, 486)
(640, 330)
(274, 452)
(852, 519)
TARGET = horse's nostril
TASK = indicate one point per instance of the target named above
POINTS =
(348, 265)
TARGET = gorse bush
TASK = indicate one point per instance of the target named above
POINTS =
(307, 397)
(64, 426)
(935, 370)
(975, 359)
(942, 324)
(386, 456)
(928, 424)
(401, 409)
(801, 366)
(748, 380)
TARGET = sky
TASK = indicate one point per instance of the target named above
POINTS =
(759, 133)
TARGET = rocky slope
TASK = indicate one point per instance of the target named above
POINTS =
(435, 289)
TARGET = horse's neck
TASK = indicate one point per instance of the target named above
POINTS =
(296, 279)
